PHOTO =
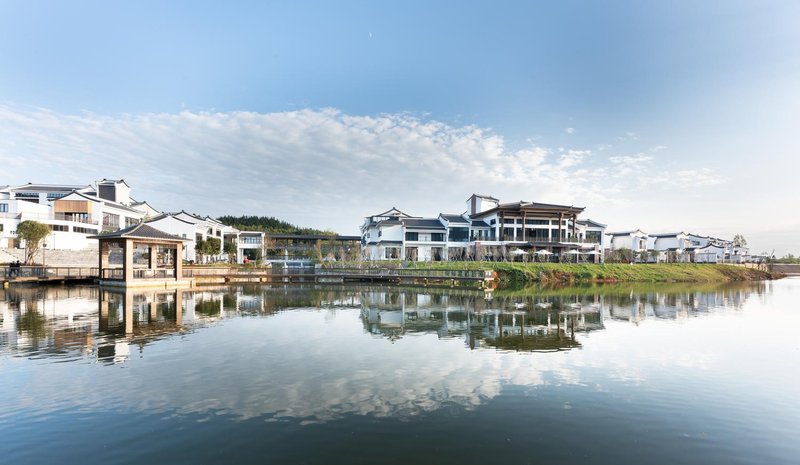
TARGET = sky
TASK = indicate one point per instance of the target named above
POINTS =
(679, 116)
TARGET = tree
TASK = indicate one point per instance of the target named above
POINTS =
(206, 247)
(230, 249)
(739, 241)
(268, 246)
(33, 233)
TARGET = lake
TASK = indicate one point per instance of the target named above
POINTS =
(597, 374)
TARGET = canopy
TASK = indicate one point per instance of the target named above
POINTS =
(574, 252)
(542, 252)
(518, 252)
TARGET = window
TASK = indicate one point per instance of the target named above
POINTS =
(392, 253)
(492, 222)
(3, 207)
(83, 230)
(412, 236)
(593, 237)
(537, 222)
(458, 235)
(437, 237)
(110, 221)
(59, 227)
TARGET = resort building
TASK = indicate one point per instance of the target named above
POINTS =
(487, 230)
(632, 240)
(72, 212)
(678, 247)
(196, 228)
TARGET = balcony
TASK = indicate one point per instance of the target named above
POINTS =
(22, 216)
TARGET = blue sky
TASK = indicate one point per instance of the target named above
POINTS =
(678, 116)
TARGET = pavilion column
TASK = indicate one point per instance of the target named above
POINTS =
(103, 262)
(127, 264)
(524, 227)
(152, 253)
(560, 226)
(574, 226)
(178, 261)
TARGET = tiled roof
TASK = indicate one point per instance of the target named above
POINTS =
(139, 231)
(453, 218)
(423, 223)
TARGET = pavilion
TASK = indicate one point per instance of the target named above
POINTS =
(141, 256)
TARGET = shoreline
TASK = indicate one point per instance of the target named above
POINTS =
(552, 273)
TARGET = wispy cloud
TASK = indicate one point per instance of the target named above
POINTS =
(320, 168)
(569, 130)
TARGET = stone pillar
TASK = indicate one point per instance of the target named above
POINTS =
(127, 263)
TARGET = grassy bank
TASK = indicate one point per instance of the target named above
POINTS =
(571, 272)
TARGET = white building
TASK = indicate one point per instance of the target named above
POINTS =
(72, 212)
(634, 240)
(487, 230)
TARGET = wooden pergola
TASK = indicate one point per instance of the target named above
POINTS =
(162, 254)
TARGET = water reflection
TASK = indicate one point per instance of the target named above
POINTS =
(538, 319)
(318, 353)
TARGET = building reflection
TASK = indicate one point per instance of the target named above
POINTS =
(79, 321)
(540, 319)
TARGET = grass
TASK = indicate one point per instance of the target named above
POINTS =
(578, 272)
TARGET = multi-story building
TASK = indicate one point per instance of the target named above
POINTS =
(72, 212)
(195, 228)
(487, 230)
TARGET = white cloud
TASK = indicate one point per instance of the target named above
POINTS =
(569, 130)
(319, 168)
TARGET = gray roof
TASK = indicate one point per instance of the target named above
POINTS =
(626, 233)
(589, 220)
(140, 231)
(480, 224)
(453, 218)
(423, 223)
(667, 234)
(47, 188)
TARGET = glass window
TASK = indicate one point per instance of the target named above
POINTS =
(3, 207)
(412, 236)
(437, 237)
(458, 235)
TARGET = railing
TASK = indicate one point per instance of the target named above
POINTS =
(404, 272)
(49, 216)
(113, 273)
(48, 272)
(161, 273)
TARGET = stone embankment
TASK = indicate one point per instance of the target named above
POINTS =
(82, 258)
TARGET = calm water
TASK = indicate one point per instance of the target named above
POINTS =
(618, 374)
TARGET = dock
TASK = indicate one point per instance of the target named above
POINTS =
(47, 275)
(199, 275)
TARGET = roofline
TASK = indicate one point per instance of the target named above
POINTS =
(114, 181)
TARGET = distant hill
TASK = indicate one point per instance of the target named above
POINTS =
(267, 224)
